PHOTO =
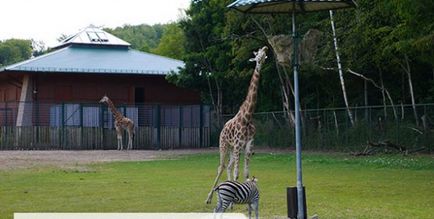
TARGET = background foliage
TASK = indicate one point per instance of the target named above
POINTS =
(215, 43)
(14, 50)
(373, 38)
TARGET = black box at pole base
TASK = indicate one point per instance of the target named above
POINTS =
(291, 197)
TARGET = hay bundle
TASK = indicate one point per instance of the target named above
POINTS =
(283, 46)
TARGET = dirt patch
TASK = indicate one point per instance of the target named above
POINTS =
(78, 159)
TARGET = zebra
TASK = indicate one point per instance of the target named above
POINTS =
(233, 192)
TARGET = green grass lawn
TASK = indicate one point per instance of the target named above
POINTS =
(338, 186)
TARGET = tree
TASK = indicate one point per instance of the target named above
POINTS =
(374, 39)
(202, 70)
(172, 42)
(142, 37)
(405, 44)
(14, 50)
(341, 75)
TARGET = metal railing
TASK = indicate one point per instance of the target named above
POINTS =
(330, 128)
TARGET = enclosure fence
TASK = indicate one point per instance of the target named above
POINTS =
(330, 128)
(85, 126)
(78, 126)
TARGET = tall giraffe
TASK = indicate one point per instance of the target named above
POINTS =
(238, 132)
(121, 122)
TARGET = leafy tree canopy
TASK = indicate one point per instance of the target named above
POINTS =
(14, 50)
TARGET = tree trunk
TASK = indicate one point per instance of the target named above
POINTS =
(341, 76)
(213, 101)
(336, 123)
(217, 106)
(288, 82)
(285, 85)
(219, 103)
(365, 83)
(383, 95)
(407, 70)
(382, 88)
(424, 122)
(402, 111)
(285, 82)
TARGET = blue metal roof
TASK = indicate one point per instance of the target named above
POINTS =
(287, 6)
(104, 60)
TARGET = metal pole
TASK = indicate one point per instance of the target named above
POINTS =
(300, 197)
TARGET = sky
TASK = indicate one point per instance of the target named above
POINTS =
(46, 20)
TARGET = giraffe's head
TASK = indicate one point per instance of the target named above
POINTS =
(104, 99)
(260, 56)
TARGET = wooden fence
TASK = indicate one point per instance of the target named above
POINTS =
(157, 127)
(80, 138)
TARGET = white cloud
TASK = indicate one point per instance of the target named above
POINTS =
(47, 19)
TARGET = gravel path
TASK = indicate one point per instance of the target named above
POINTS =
(74, 159)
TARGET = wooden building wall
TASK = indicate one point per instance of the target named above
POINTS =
(120, 88)
(66, 113)
(10, 88)
(49, 88)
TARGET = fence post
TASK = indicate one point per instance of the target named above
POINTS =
(124, 131)
(398, 129)
(62, 119)
(158, 125)
(180, 125)
(201, 125)
(6, 124)
(101, 125)
(346, 131)
(81, 125)
(37, 122)
(370, 123)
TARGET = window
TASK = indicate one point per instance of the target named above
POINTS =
(91, 117)
(102, 36)
(130, 112)
(71, 115)
(97, 36)
(93, 37)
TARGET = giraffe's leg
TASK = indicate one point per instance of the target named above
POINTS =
(223, 150)
(229, 171)
(119, 137)
(230, 165)
(236, 157)
(247, 156)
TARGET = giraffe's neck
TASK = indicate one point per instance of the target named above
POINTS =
(116, 114)
(248, 106)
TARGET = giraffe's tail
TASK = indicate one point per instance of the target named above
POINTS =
(134, 134)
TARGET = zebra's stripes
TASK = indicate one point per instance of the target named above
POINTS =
(233, 192)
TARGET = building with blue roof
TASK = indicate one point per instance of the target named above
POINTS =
(50, 89)
(95, 60)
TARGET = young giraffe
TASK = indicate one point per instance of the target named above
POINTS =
(121, 122)
(238, 132)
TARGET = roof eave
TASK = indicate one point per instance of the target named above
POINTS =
(249, 8)
(90, 72)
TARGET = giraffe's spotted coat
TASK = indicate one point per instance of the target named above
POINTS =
(238, 133)
(121, 122)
